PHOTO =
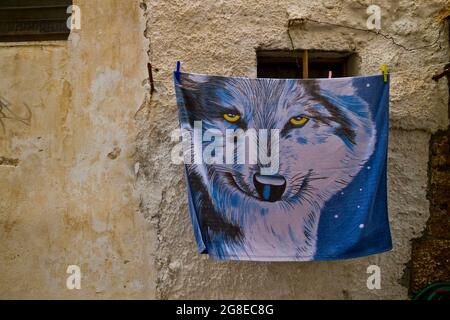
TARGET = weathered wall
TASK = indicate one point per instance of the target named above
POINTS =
(430, 259)
(66, 201)
(221, 37)
(90, 182)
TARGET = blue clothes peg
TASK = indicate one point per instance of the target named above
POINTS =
(177, 71)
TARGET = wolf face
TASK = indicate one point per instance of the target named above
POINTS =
(326, 134)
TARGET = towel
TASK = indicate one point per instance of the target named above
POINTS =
(285, 169)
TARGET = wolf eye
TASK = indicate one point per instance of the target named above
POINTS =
(231, 117)
(298, 121)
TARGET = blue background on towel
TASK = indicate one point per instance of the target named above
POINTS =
(345, 229)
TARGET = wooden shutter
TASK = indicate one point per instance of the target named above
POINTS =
(34, 20)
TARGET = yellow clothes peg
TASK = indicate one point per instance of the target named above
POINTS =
(384, 70)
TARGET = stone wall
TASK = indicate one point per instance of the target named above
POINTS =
(431, 252)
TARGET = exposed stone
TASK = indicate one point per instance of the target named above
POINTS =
(431, 252)
(439, 224)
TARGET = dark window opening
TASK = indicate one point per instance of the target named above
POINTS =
(34, 20)
(287, 65)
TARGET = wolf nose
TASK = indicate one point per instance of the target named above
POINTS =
(270, 188)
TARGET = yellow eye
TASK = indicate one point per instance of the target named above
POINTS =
(231, 117)
(298, 121)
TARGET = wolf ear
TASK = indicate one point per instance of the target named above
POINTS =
(189, 90)
(198, 91)
(191, 82)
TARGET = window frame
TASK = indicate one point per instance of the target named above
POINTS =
(319, 63)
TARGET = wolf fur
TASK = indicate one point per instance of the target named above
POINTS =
(317, 161)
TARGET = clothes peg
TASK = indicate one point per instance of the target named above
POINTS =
(384, 70)
(177, 71)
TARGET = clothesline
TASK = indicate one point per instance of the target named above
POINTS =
(392, 73)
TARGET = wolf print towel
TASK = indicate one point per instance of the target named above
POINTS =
(285, 169)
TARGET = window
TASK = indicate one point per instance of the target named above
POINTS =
(287, 64)
(34, 20)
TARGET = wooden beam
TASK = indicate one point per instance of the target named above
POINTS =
(305, 64)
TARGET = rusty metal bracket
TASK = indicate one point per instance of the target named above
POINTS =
(150, 78)
(443, 73)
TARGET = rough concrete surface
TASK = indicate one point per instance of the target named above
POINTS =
(90, 181)
(221, 37)
(67, 201)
